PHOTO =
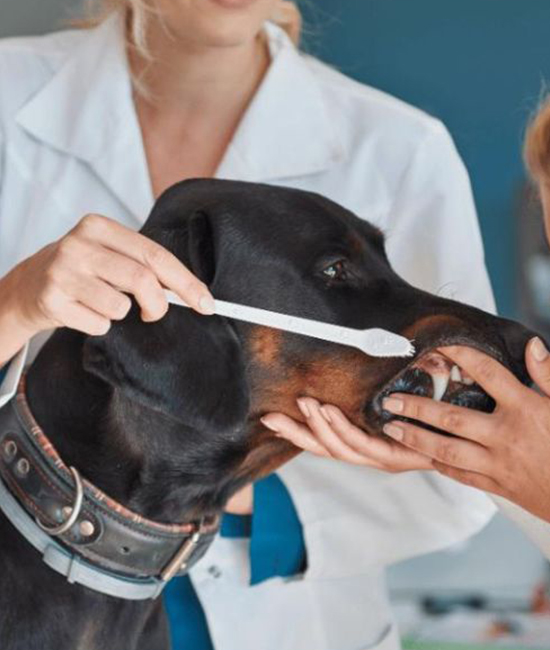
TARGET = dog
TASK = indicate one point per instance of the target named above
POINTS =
(164, 418)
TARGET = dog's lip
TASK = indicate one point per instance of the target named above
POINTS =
(438, 377)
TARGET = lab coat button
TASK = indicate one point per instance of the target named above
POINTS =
(214, 571)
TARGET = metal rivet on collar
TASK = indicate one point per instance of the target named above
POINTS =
(9, 449)
(66, 512)
(22, 467)
(86, 528)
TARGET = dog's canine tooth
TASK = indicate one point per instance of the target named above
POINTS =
(468, 381)
(456, 374)
(440, 383)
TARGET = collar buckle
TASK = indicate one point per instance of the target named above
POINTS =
(181, 559)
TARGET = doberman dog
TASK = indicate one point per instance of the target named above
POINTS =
(165, 417)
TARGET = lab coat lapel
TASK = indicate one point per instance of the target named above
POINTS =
(87, 111)
(287, 131)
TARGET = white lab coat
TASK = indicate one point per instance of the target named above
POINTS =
(70, 144)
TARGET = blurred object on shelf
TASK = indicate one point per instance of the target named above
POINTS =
(438, 605)
(541, 600)
(478, 630)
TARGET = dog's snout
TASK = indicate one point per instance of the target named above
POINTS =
(516, 337)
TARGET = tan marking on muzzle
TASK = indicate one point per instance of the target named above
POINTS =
(343, 379)
(265, 345)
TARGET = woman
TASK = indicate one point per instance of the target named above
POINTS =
(101, 121)
(505, 453)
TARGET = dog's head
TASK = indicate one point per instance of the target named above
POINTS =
(298, 253)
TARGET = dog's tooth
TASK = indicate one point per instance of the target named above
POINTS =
(456, 374)
(440, 383)
(468, 381)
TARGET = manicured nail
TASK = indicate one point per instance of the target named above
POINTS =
(539, 350)
(269, 425)
(304, 408)
(326, 414)
(393, 405)
(207, 305)
(394, 431)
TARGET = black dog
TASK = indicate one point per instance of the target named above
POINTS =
(164, 417)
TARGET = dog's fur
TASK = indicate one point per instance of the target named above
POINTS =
(164, 417)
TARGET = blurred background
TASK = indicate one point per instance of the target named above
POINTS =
(480, 66)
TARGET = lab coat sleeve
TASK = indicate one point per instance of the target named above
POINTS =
(537, 530)
(433, 235)
(11, 372)
(355, 518)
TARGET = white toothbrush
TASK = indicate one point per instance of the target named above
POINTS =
(375, 342)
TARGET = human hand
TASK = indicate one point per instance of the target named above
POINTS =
(506, 452)
(328, 433)
(81, 280)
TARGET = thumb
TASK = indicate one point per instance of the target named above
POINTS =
(538, 364)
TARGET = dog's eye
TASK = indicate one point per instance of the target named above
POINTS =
(336, 271)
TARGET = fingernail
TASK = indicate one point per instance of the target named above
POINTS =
(207, 305)
(538, 349)
(269, 425)
(393, 404)
(326, 414)
(393, 431)
(304, 408)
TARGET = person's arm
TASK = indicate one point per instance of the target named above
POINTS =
(82, 282)
(10, 368)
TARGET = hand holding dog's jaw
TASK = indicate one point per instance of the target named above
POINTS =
(505, 452)
(328, 433)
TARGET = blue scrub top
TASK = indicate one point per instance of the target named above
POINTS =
(277, 548)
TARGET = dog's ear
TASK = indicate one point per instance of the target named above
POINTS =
(188, 366)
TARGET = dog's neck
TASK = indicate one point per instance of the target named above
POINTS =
(135, 454)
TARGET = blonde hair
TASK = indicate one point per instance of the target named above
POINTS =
(536, 151)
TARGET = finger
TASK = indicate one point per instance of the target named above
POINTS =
(323, 432)
(103, 299)
(83, 319)
(492, 376)
(538, 364)
(460, 421)
(383, 452)
(454, 452)
(132, 277)
(296, 433)
(171, 273)
(472, 479)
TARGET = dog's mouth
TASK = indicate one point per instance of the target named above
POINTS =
(435, 376)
